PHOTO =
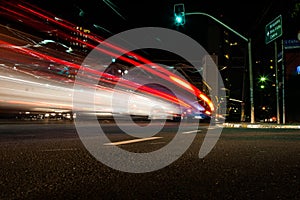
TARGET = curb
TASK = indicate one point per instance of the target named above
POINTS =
(245, 125)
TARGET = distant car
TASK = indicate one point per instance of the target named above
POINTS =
(196, 115)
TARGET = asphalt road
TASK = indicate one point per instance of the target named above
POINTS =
(49, 161)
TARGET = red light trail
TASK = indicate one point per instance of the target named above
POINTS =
(18, 11)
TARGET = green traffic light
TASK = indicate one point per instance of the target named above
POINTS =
(178, 19)
(263, 79)
(179, 14)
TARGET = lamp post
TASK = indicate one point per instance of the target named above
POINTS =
(248, 40)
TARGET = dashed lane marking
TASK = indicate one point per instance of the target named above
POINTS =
(132, 141)
(189, 132)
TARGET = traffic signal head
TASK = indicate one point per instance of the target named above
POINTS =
(179, 14)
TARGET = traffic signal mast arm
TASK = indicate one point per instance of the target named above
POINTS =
(215, 19)
(179, 13)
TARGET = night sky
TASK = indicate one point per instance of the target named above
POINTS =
(247, 17)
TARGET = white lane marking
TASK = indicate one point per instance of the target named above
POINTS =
(132, 141)
(189, 132)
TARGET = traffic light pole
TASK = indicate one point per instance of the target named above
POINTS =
(283, 81)
(277, 82)
(249, 57)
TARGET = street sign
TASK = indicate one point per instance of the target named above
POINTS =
(291, 44)
(273, 30)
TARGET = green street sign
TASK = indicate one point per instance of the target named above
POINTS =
(273, 30)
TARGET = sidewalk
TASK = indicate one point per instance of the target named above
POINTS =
(260, 125)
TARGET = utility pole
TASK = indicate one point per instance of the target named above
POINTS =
(273, 30)
(283, 81)
(277, 85)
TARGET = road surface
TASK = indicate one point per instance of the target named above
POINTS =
(49, 161)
